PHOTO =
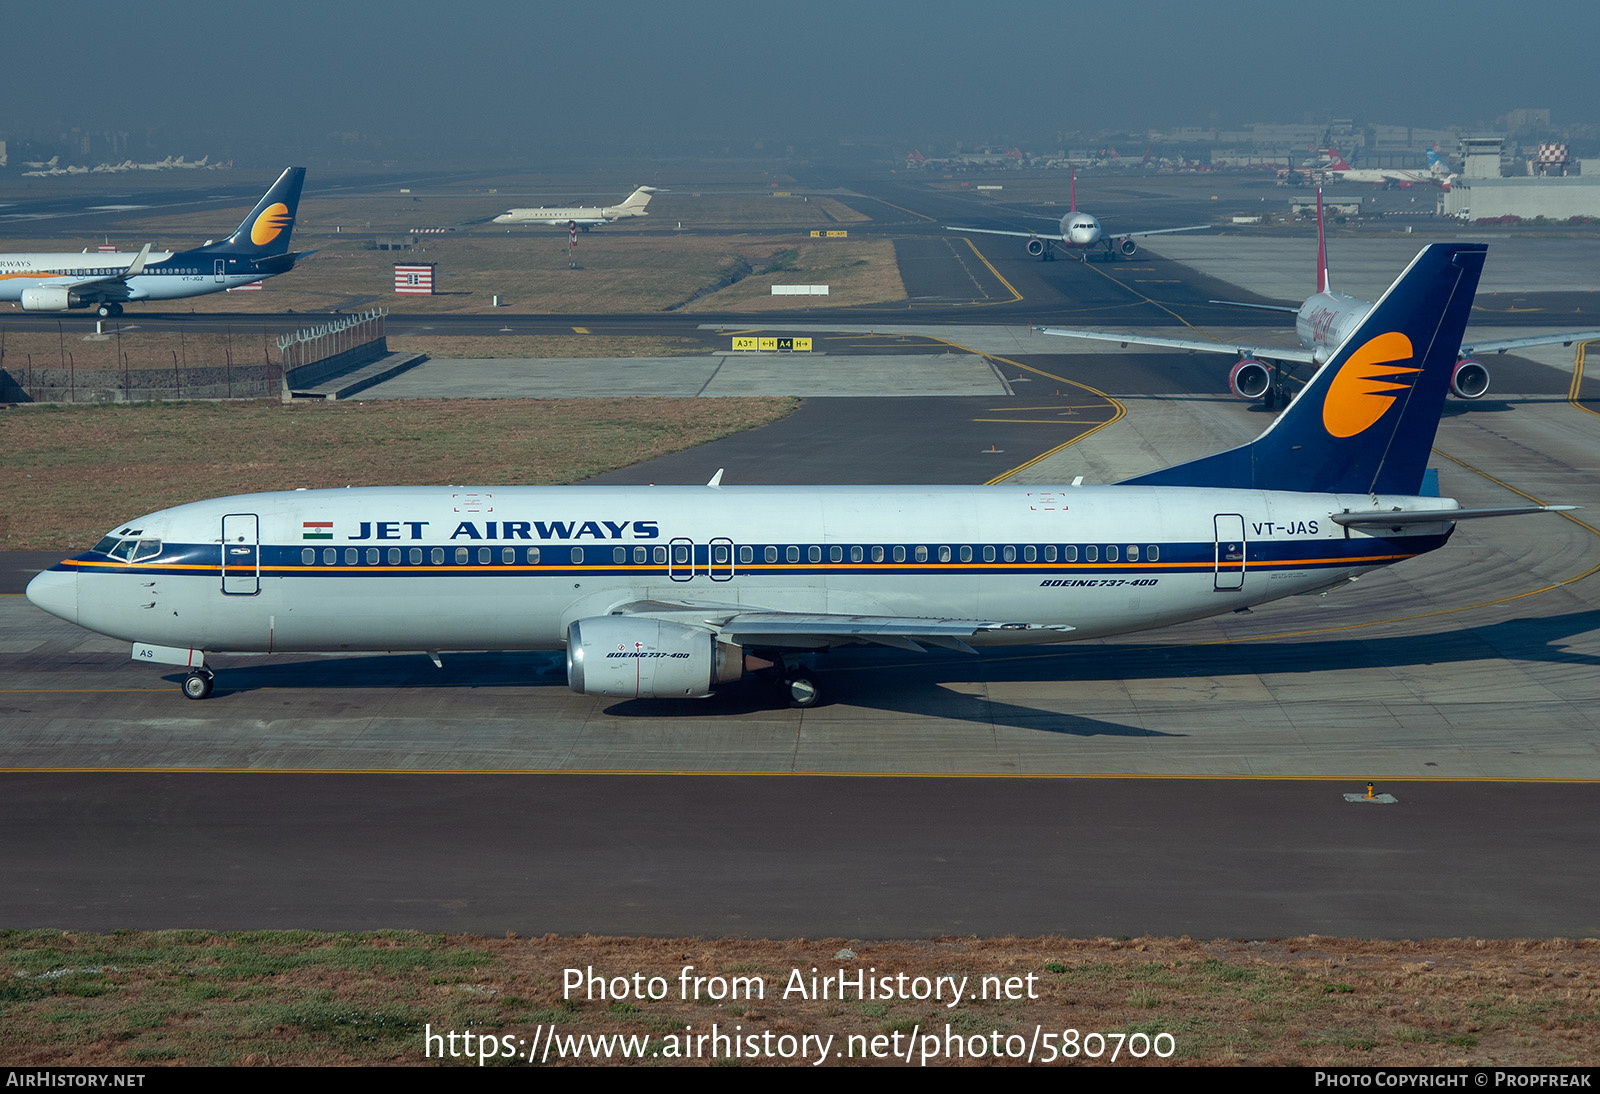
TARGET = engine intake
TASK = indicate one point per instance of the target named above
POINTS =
(637, 658)
(1036, 246)
(51, 298)
(1128, 247)
(1469, 379)
(1250, 379)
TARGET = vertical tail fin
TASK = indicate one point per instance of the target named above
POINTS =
(1322, 248)
(639, 198)
(265, 232)
(1365, 422)
(1336, 161)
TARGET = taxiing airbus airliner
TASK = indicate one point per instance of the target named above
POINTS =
(1322, 323)
(257, 249)
(582, 216)
(1079, 232)
(678, 591)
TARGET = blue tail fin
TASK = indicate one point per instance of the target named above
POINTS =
(265, 232)
(1365, 422)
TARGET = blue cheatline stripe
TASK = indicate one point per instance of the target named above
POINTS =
(1172, 558)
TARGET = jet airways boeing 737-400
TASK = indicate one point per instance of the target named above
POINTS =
(1079, 232)
(1322, 323)
(677, 591)
(582, 216)
(257, 249)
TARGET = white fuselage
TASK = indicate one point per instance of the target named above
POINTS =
(158, 281)
(1079, 229)
(1326, 319)
(451, 568)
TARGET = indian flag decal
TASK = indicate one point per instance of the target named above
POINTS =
(317, 529)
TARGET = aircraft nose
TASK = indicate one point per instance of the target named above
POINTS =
(56, 592)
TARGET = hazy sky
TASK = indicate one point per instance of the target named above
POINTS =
(800, 70)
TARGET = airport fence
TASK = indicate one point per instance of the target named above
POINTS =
(315, 354)
(114, 365)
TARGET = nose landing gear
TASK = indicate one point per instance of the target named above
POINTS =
(197, 685)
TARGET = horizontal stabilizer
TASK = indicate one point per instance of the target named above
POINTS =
(1399, 518)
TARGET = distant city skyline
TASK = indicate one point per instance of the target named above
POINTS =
(496, 78)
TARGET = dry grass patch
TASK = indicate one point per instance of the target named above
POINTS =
(70, 471)
(197, 997)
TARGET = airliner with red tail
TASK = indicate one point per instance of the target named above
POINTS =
(1322, 323)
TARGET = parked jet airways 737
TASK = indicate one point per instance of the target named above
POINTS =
(257, 249)
(1322, 323)
(677, 591)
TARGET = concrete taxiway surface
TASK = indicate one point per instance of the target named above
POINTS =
(1448, 679)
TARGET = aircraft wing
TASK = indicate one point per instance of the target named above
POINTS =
(998, 232)
(135, 268)
(1272, 353)
(1566, 339)
(1163, 231)
(806, 630)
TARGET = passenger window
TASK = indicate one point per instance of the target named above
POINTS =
(394, 556)
(1030, 553)
(533, 556)
(577, 555)
(770, 554)
(308, 556)
(416, 556)
(1133, 552)
(437, 554)
(1049, 552)
(483, 556)
(1111, 552)
(719, 553)
(1154, 553)
(641, 555)
(1008, 553)
(815, 554)
(372, 556)
(877, 554)
(899, 554)
(619, 555)
(508, 555)
(835, 554)
(855, 554)
(1072, 552)
(461, 556)
(659, 554)
(1091, 553)
(988, 553)
(351, 556)
(944, 554)
(966, 554)
(922, 554)
(330, 555)
(746, 555)
(680, 554)
(792, 554)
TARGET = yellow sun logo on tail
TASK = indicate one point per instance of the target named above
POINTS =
(273, 219)
(1360, 394)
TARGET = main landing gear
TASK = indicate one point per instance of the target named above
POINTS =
(106, 311)
(796, 686)
(197, 685)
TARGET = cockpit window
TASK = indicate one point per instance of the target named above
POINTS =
(129, 550)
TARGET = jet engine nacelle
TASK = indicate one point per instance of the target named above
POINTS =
(1128, 247)
(51, 298)
(1036, 247)
(1250, 379)
(637, 658)
(1469, 379)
